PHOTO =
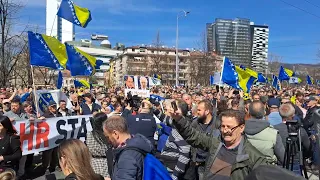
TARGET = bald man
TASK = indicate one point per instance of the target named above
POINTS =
(143, 83)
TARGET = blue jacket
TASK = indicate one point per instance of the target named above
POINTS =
(129, 164)
(143, 124)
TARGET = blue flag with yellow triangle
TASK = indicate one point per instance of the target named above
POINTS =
(229, 75)
(80, 63)
(310, 80)
(245, 79)
(82, 83)
(74, 14)
(46, 51)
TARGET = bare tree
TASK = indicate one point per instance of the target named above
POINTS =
(12, 46)
(44, 76)
(157, 58)
(202, 62)
(274, 62)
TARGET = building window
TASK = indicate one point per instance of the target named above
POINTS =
(133, 50)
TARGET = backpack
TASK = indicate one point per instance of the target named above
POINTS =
(153, 169)
(164, 133)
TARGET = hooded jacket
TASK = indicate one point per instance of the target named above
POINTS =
(129, 163)
(265, 138)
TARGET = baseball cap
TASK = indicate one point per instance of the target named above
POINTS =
(274, 102)
(52, 103)
(312, 98)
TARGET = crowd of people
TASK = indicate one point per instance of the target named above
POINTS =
(197, 133)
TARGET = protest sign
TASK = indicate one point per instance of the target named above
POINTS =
(138, 92)
(37, 136)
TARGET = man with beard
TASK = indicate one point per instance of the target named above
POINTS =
(205, 124)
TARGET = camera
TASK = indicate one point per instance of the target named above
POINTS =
(293, 127)
(134, 101)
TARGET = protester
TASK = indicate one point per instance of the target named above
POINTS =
(143, 123)
(16, 113)
(128, 162)
(274, 117)
(49, 157)
(287, 113)
(262, 136)
(89, 107)
(234, 157)
(98, 146)
(63, 109)
(74, 160)
(10, 143)
(8, 174)
(176, 151)
(117, 110)
(312, 107)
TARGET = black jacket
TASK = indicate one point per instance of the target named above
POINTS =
(10, 151)
(48, 114)
(143, 124)
(308, 120)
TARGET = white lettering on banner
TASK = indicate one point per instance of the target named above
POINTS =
(37, 136)
(138, 92)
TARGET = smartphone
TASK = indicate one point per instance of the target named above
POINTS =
(174, 106)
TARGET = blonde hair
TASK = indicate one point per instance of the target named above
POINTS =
(8, 174)
(78, 159)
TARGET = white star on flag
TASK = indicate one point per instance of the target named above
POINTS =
(48, 51)
(54, 60)
(41, 41)
(38, 36)
(89, 69)
(45, 46)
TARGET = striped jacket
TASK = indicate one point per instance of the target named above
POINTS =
(176, 147)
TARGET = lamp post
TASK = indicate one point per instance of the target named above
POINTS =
(182, 13)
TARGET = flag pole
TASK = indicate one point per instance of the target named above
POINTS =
(34, 91)
(222, 70)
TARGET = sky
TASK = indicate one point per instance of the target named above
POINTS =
(294, 33)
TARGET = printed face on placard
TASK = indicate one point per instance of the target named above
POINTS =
(129, 82)
(143, 83)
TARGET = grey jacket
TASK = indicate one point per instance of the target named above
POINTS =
(255, 127)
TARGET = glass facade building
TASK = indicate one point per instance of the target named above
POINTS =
(231, 38)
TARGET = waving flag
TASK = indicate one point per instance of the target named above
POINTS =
(245, 80)
(285, 74)
(229, 74)
(157, 76)
(46, 51)
(60, 80)
(80, 63)
(82, 83)
(276, 83)
(74, 14)
(310, 80)
(211, 80)
(157, 98)
(261, 78)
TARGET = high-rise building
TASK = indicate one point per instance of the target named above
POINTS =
(231, 38)
(260, 37)
(60, 28)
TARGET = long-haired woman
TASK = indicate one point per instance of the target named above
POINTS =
(74, 160)
(98, 146)
(10, 153)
